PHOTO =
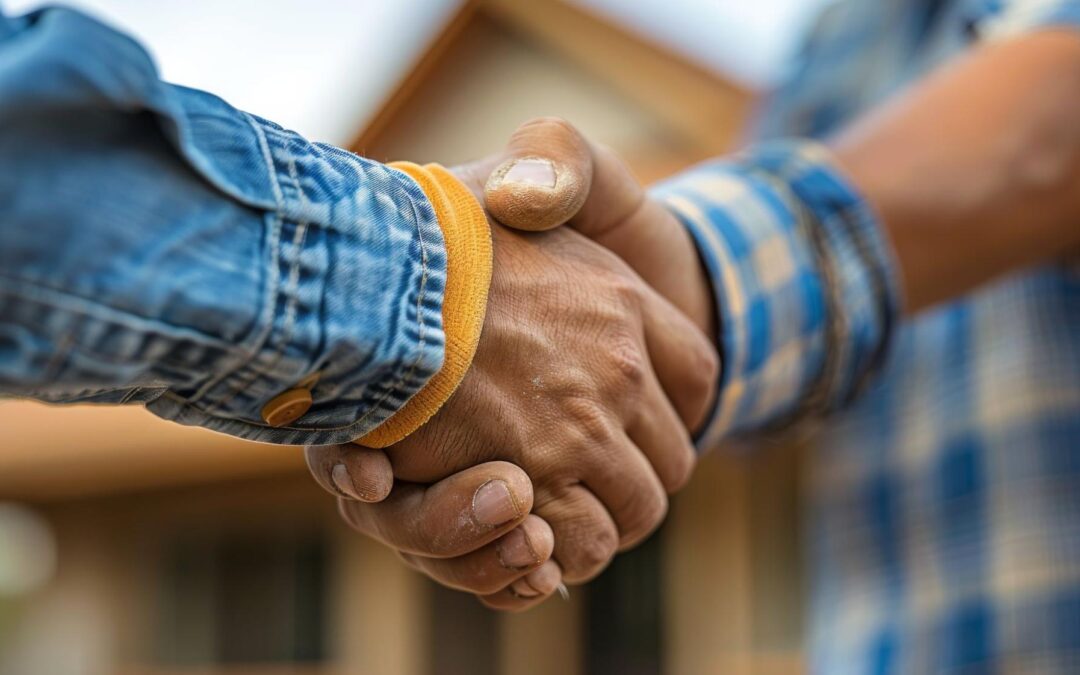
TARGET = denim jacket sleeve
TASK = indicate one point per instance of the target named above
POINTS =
(158, 246)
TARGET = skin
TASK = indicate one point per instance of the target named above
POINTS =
(585, 381)
(975, 172)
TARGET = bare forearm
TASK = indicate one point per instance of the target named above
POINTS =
(976, 171)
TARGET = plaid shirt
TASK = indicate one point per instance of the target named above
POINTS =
(944, 496)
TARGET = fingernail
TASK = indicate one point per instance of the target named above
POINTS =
(343, 482)
(564, 592)
(531, 172)
(522, 589)
(514, 551)
(493, 504)
(545, 579)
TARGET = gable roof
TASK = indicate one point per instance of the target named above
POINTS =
(692, 99)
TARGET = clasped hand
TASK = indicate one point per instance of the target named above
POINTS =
(570, 428)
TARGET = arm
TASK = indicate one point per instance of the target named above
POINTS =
(161, 247)
(810, 250)
(976, 171)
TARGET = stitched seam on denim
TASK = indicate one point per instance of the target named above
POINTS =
(292, 286)
(52, 367)
(104, 313)
(421, 338)
(422, 327)
(267, 313)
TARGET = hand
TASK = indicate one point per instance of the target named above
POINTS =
(575, 402)
(611, 208)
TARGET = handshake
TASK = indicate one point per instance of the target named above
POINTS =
(573, 423)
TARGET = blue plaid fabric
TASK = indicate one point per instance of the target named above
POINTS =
(943, 499)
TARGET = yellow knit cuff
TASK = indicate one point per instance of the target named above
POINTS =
(468, 276)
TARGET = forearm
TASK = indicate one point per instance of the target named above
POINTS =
(976, 171)
(158, 246)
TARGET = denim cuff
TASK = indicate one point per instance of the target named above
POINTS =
(162, 247)
(353, 290)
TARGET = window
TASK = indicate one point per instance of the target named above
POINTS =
(242, 599)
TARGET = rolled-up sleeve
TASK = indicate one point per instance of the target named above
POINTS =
(1001, 19)
(804, 280)
(158, 246)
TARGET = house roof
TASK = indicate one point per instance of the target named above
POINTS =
(693, 101)
(266, 66)
(323, 67)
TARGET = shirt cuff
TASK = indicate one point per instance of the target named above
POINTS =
(1003, 20)
(352, 270)
(804, 280)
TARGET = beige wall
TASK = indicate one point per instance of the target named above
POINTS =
(492, 80)
(730, 582)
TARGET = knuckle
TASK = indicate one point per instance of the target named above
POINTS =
(682, 466)
(589, 420)
(586, 555)
(626, 289)
(705, 372)
(628, 361)
(642, 513)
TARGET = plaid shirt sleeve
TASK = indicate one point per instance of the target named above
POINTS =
(1001, 19)
(804, 281)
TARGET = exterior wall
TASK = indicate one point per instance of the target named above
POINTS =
(724, 567)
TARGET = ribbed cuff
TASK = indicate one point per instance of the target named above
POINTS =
(468, 277)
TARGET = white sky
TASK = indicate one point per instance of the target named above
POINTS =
(323, 66)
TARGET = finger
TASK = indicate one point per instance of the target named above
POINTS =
(550, 173)
(351, 471)
(459, 514)
(543, 177)
(586, 537)
(686, 363)
(648, 237)
(637, 500)
(620, 476)
(495, 566)
(528, 591)
(659, 432)
(595, 191)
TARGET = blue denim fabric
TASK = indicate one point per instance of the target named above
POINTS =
(158, 246)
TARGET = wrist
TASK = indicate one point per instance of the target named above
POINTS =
(467, 238)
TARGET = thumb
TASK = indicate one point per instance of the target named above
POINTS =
(544, 177)
(550, 175)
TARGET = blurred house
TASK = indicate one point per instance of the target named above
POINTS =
(175, 550)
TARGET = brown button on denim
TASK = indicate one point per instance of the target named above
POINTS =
(287, 407)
